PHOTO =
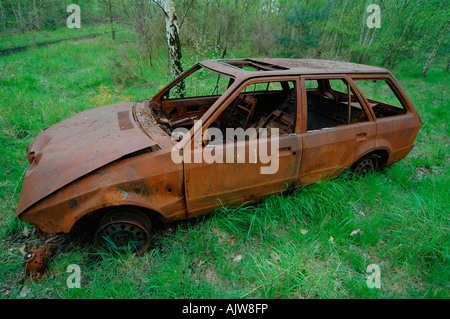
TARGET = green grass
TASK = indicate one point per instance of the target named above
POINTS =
(297, 246)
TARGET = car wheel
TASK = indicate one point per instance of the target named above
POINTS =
(124, 229)
(366, 165)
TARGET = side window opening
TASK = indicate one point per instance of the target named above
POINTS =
(332, 103)
(262, 105)
(380, 94)
(264, 87)
(311, 85)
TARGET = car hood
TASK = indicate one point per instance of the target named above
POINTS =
(77, 146)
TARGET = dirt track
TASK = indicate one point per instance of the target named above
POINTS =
(9, 51)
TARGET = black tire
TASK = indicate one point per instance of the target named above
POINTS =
(368, 164)
(124, 229)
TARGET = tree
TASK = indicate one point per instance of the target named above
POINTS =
(173, 37)
(109, 6)
(111, 20)
(2, 16)
(429, 62)
(302, 33)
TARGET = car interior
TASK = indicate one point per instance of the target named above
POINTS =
(257, 106)
(328, 104)
(273, 105)
(262, 106)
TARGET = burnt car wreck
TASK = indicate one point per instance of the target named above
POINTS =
(114, 164)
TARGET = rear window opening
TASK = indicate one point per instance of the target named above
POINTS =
(381, 96)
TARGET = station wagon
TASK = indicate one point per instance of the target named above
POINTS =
(122, 167)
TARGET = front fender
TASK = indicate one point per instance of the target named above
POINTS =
(146, 181)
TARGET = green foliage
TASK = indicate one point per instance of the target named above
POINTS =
(301, 23)
(286, 28)
(107, 96)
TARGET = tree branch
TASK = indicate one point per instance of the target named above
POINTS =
(187, 10)
(162, 8)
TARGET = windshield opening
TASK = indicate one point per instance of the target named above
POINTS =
(189, 99)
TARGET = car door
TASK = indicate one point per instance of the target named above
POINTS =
(245, 173)
(333, 140)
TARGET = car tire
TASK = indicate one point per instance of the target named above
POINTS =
(367, 164)
(124, 229)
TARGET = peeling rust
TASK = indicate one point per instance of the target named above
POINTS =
(124, 120)
(36, 261)
(120, 155)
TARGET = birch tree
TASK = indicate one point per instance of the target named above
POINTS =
(430, 60)
(173, 38)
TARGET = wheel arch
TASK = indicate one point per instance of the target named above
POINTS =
(382, 153)
(90, 220)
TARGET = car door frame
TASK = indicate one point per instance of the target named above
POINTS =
(291, 143)
(308, 173)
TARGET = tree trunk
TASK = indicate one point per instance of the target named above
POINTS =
(430, 60)
(36, 17)
(336, 33)
(2, 16)
(111, 20)
(20, 23)
(173, 41)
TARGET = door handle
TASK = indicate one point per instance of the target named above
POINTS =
(361, 137)
(284, 150)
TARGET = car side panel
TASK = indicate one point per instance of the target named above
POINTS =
(327, 153)
(397, 133)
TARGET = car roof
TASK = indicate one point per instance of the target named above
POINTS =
(250, 67)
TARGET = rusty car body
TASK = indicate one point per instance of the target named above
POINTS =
(114, 163)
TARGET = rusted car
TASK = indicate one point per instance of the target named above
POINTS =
(122, 167)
